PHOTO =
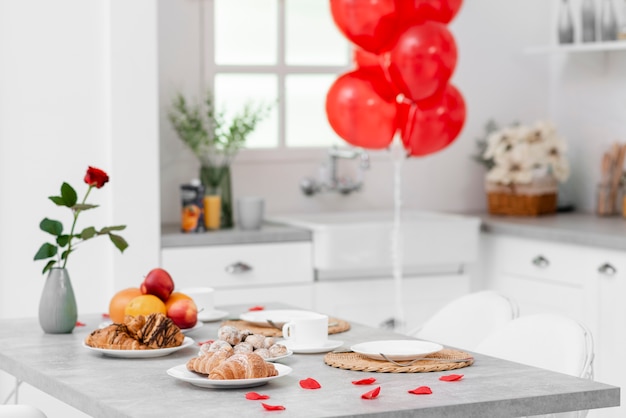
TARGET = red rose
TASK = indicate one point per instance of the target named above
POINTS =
(96, 177)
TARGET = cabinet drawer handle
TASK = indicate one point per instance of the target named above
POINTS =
(541, 262)
(607, 269)
(237, 268)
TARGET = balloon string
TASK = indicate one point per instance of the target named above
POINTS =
(396, 243)
(410, 123)
(384, 62)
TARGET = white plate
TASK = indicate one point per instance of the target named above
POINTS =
(289, 352)
(211, 315)
(278, 316)
(397, 350)
(157, 352)
(307, 349)
(195, 327)
(181, 373)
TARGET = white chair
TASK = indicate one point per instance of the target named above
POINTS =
(466, 321)
(549, 341)
(20, 411)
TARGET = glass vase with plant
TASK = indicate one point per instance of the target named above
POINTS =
(215, 140)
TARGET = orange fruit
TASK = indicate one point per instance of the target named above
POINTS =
(118, 303)
(174, 297)
(145, 305)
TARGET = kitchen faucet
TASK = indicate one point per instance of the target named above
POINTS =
(330, 180)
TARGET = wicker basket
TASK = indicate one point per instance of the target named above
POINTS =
(536, 198)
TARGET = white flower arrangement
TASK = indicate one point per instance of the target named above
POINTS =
(519, 154)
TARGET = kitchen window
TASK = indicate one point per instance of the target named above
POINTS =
(286, 52)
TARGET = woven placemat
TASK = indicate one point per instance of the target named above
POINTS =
(338, 325)
(355, 361)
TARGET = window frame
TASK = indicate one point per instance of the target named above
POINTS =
(209, 69)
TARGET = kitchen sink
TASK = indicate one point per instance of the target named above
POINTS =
(360, 243)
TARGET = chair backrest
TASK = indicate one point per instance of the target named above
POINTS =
(549, 341)
(466, 321)
(20, 411)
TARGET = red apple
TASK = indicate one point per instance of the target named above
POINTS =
(183, 313)
(159, 283)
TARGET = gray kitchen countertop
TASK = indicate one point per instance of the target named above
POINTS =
(269, 233)
(569, 228)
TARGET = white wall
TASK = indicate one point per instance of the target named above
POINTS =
(78, 87)
(496, 78)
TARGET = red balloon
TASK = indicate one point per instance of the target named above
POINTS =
(419, 10)
(357, 113)
(370, 24)
(364, 59)
(422, 60)
(433, 124)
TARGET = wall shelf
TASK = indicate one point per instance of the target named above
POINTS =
(577, 47)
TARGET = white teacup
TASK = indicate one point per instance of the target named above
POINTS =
(202, 297)
(307, 331)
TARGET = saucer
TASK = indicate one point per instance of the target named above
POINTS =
(211, 315)
(327, 346)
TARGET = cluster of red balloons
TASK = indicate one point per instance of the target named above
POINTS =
(404, 56)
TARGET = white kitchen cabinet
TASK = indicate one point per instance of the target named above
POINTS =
(371, 301)
(586, 283)
(245, 273)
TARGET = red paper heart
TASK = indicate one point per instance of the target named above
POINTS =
(367, 381)
(80, 324)
(206, 342)
(256, 308)
(273, 407)
(422, 390)
(253, 396)
(106, 315)
(309, 383)
(451, 377)
(372, 394)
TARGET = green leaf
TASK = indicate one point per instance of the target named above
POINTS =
(58, 200)
(62, 240)
(69, 195)
(48, 266)
(108, 229)
(119, 242)
(51, 226)
(65, 254)
(87, 233)
(47, 250)
(83, 206)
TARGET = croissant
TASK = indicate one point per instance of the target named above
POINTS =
(113, 337)
(243, 366)
(159, 331)
(208, 361)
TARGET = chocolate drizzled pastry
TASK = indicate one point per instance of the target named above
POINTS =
(159, 331)
(138, 333)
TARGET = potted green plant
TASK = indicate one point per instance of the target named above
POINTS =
(215, 139)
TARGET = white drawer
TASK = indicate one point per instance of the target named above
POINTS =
(270, 264)
(538, 259)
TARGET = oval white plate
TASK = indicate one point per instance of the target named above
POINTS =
(180, 372)
(277, 316)
(289, 352)
(157, 352)
(211, 316)
(396, 350)
(308, 349)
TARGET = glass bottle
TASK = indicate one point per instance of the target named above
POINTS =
(608, 21)
(566, 24)
(588, 21)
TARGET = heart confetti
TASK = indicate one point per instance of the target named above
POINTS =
(451, 377)
(273, 407)
(206, 342)
(253, 396)
(367, 381)
(310, 383)
(256, 308)
(422, 390)
(372, 394)
(80, 324)
(106, 315)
